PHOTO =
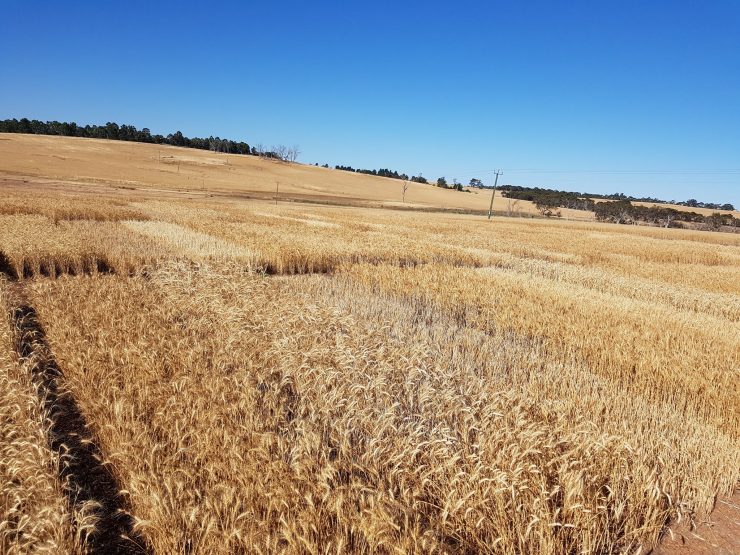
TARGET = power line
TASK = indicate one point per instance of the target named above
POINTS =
(466, 173)
(632, 172)
(725, 175)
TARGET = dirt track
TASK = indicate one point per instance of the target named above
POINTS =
(717, 534)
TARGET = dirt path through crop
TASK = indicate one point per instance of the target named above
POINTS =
(717, 534)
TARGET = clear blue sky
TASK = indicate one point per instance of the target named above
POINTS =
(442, 88)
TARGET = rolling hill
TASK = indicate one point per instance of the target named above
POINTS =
(147, 166)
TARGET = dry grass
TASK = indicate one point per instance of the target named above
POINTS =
(450, 385)
(147, 167)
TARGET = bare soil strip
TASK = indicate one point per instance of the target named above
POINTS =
(88, 477)
(717, 534)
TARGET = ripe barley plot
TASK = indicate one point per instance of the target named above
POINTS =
(440, 387)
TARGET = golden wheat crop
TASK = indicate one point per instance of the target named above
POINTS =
(33, 245)
(64, 206)
(34, 517)
(353, 433)
(446, 385)
(656, 352)
(293, 245)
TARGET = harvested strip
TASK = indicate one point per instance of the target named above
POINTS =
(192, 244)
(724, 305)
(307, 221)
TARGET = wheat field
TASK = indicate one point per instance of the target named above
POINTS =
(293, 378)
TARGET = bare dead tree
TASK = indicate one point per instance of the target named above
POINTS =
(280, 152)
(624, 217)
(293, 153)
(513, 206)
(405, 187)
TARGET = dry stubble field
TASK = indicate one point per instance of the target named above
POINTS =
(149, 167)
(251, 378)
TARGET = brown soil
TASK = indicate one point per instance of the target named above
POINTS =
(718, 534)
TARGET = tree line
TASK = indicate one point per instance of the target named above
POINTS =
(113, 131)
(382, 172)
(621, 210)
(536, 193)
(692, 203)
(455, 185)
(549, 198)
(624, 212)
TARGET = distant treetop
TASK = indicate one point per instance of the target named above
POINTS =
(116, 132)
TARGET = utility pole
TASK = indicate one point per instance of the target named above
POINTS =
(493, 194)
(277, 191)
